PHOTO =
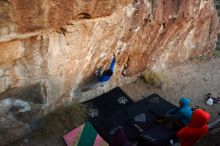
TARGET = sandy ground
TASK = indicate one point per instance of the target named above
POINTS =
(193, 79)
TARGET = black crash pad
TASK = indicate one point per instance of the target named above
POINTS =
(157, 136)
(115, 108)
(110, 102)
(104, 109)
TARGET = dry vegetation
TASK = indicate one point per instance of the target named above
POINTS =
(154, 79)
(217, 53)
(63, 119)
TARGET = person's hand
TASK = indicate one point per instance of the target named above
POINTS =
(17, 112)
(20, 111)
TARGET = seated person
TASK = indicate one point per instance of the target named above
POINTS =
(182, 115)
(119, 138)
(212, 100)
(196, 129)
(106, 75)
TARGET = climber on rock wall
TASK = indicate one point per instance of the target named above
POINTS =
(101, 77)
(107, 74)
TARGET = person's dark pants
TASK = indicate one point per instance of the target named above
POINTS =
(119, 138)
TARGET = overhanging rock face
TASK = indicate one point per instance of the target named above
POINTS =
(60, 44)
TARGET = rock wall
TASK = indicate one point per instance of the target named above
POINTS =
(56, 46)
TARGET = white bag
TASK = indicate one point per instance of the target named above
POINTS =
(210, 101)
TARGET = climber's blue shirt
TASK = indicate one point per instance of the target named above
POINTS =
(183, 113)
(105, 78)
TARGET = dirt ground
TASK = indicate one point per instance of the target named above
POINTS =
(193, 79)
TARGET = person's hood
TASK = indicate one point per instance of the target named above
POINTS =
(184, 102)
(199, 118)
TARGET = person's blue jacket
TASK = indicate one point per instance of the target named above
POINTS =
(183, 113)
(103, 77)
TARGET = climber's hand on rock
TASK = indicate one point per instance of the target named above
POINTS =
(114, 55)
